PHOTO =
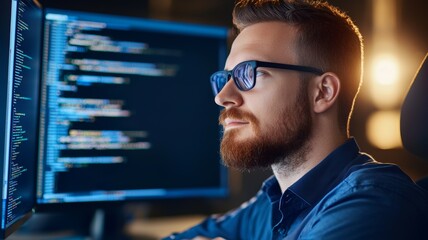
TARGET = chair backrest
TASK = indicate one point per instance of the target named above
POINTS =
(414, 116)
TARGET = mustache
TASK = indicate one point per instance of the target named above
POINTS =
(236, 114)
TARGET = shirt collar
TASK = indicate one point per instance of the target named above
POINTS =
(323, 177)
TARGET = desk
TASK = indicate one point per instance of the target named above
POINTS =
(138, 229)
(160, 227)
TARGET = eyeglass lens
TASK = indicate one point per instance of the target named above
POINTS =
(243, 76)
(219, 80)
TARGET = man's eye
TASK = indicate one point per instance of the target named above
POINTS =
(260, 73)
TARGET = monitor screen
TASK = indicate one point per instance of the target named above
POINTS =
(127, 112)
(21, 24)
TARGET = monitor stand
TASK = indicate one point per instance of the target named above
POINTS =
(107, 225)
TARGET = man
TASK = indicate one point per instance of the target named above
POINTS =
(292, 76)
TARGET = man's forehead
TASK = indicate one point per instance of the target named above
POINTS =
(266, 41)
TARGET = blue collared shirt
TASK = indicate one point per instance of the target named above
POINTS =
(346, 196)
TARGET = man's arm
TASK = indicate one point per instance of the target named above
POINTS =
(236, 224)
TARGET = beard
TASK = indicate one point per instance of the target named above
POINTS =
(278, 144)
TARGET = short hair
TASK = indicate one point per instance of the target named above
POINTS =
(327, 39)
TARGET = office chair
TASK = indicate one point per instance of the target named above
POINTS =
(414, 117)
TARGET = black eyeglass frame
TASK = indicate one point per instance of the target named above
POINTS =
(255, 64)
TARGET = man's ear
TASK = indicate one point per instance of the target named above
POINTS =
(326, 91)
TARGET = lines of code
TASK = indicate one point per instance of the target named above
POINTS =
(23, 109)
(113, 114)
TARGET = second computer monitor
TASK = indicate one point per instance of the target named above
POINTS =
(20, 42)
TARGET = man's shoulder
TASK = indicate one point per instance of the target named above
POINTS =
(370, 195)
(380, 181)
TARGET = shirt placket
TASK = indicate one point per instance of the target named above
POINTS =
(280, 229)
(289, 208)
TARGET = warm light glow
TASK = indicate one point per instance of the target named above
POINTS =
(383, 129)
(385, 70)
(385, 88)
(384, 16)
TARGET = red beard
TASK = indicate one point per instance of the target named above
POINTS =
(290, 132)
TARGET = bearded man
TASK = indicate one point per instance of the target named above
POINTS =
(288, 91)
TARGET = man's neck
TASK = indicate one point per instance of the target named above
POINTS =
(303, 161)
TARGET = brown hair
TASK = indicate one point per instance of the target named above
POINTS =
(328, 39)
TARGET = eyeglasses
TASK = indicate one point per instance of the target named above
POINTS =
(245, 73)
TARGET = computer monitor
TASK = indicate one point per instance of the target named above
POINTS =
(20, 41)
(127, 112)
